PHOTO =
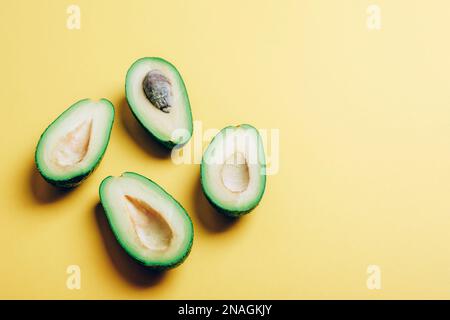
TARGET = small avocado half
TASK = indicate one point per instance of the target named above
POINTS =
(73, 145)
(158, 99)
(149, 224)
(233, 170)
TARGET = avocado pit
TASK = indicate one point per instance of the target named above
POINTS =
(158, 90)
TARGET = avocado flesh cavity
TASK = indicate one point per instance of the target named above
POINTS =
(73, 145)
(233, 170)
(158, 99)
(152, 230)
(235, 175)
(149, 224)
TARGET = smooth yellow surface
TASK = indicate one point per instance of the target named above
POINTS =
(364, 120)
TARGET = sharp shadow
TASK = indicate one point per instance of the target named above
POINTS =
(130, 269)
(139, 135)
(42, 191)
(212, 220)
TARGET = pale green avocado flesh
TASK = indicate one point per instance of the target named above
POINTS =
(151, 226)
(73, 145)
(233, 170)
(157, 97)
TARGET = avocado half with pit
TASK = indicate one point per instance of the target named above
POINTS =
(149, 224)
(157, 97)
(233, 171)
(73, 145)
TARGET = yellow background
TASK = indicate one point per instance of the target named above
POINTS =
(364, 120)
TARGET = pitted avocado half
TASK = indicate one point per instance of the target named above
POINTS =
(73, 145)
(233, 172)
(150, 224)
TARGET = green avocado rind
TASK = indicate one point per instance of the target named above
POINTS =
(163, 141)
(75, 180)
(176, 261)
(215, 203)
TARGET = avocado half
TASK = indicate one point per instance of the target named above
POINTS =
(233, 170)
(157, 97)
(73, 145)
(149, 224)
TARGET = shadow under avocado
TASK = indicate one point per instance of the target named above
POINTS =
(212, 220)
(129, 268)
(42, 191)
(139, 135)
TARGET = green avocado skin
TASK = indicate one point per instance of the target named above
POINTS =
(70, 183)
(225, 211)
(165, 143)
(217, 206)
(77, 180)
(158, 267)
